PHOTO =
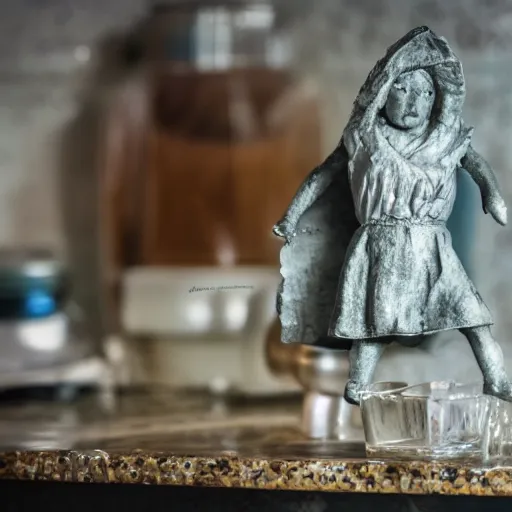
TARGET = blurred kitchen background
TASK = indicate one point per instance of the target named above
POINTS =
(146, 150)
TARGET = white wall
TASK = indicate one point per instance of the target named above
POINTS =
(43, 49)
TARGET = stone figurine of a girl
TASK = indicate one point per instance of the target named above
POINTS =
(389, 273)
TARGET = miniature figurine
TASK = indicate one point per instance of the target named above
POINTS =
(399, 279)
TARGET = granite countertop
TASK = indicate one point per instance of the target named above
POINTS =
(156, 437)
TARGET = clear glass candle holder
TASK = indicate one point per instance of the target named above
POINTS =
(497, 442)
(436, 420)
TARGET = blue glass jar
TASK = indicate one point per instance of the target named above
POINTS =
(32, 285)
(36, 328)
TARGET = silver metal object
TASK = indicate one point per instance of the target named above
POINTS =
(321, 370)
(321, 373)
(330, 417)
(368, 259)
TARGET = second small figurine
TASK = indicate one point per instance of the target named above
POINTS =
(389, 272)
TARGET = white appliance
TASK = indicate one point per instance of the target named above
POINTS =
(201, 327)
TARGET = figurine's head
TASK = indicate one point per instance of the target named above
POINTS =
(410, 100)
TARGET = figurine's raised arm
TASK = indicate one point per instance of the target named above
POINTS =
(311, 189)
(484, 177)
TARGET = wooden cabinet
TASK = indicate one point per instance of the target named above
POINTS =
(198, 167)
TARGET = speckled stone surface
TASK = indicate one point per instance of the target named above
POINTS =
(358, 476)
(193, 441)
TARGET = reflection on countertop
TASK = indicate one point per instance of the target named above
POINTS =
(158, 420)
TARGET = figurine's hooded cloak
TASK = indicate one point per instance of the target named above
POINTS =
(400, 275)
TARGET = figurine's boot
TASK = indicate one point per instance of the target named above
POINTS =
(489, 357)
(364, 356)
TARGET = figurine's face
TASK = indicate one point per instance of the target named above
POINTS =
(410, 100)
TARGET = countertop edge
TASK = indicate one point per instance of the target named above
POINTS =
(355, 476)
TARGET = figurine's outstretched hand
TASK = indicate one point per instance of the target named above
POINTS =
(495, 205)
(484, 177)
(284, 228)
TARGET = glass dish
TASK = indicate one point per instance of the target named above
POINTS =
(435, 420)
(497, 442)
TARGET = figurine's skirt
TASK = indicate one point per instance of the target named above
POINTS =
(403, 279)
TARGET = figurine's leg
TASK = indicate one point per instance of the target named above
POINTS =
(489, 357)
(364, 356)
